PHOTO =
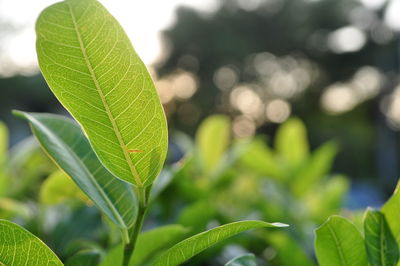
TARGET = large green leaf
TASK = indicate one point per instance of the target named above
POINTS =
(191, 246)
(212, 140)
(382, 249)
(154, 240)
(291, 141)
(63, 140)
(92, 68)
(19, 247)
(391, 210)
(243, 260)
(339, 243)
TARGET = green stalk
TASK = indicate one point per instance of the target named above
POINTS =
(143, 197)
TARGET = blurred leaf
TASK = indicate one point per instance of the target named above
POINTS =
(243, 260)
(315, 169)
(152, 241)
(259, 157)
(291, 142)
(20, 247)
(64, 142)
(3, 143)
(59, 187)
(212, 139)
(114, 257)
(197, 215)
(338, 242)
(382, 249)
(289, 251)
(391, 210)
(191, 246)
(327, 198)
(84, 258)
(10, 208)
(92, 68)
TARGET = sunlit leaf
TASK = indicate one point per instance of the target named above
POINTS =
(391, 210)
(382, 249)
(291, 141)
(315, 169)
(59, 187)
(212, 139)
(63, 140)
(20, 247)
(191, 246)
(154, 240)
(243, 260)
(339, 243)
(92, 68)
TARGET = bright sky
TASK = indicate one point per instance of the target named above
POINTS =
(142, 20)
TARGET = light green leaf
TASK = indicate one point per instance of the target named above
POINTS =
(382, 249)
(315, 169)
(391, 210)
(64, 142)
(291, 141)
(243, 260)
(152, 241)
(212, 139)
(191, 246)
(92, 68)
(59, 187)
(339, 243)
(260, 158)
(19, 247)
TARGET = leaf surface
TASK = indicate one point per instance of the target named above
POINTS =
(339, 243)
(191, 246)
(64, 142)
(391, 210)
(382, 249)
(20, 247)
(90, 65)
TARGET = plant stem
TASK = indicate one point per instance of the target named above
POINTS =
(143, 196)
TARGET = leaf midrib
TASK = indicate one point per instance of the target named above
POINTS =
(338, 245)
(104, 101)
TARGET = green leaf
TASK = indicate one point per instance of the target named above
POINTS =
(212, 139)
(64, 142)
(90, 65)
(84, 258)
(152, 241)
(243, 260)
(114, 257)
(59, 187)
(317, 167)
(338, 242)
(3, 143)
(191, 246)
(20, 247)
(391, 210)
(291, 141)
(382, 249)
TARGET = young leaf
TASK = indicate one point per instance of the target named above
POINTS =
(152, 241)
(212, 140)
(59, 187)
(382, 249)
(20, 247)
(291, 141)
(63, 140)
(391, 210)
(339, 243)
(243, 260)
(191, 246)
(92, 68)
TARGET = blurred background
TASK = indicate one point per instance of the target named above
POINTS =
(332, 63)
